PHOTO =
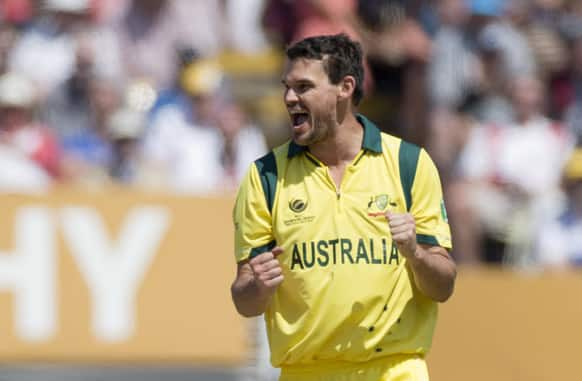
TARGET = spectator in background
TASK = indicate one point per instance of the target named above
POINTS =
(201, 142)
(453, 68)
(454, 74)
(279, 22)
(181, 142)
(449, 131)
(573, 115)
(508, 177)
(18, 173)
(28, 151)
(318, 17)
(20, 130)
(245, 32)
(53, 40)
(397, 50)
(559, 243)
(8, 37)
(125, 128)
(475, 36)
(87, 148)
(239, 141)
(68, 109)
(16, 12)
(151, 32)
(544, 42)
(478, 49)
(516, 55)
(564, 26)
(242, 142)
(109, 11)
(205, 84)
(491, 104)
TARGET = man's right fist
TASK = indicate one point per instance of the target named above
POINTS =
(267, 270)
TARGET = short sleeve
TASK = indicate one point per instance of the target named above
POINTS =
(428, 206)
(253, 233)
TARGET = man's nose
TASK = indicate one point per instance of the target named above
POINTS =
(290, 97)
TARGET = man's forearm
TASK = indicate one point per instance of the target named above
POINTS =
(434, 272)
(248, 299)
(256, 282)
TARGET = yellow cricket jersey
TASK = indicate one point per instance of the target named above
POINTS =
(347, 294)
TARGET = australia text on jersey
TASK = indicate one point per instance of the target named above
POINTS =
(341, 251)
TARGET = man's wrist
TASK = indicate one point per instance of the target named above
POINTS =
(417, 256)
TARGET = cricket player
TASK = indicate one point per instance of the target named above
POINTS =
(341, 234)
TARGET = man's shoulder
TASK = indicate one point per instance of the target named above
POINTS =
(268, 168)
(390, 139)
(270, 164)
(393, 145)
(278, 153)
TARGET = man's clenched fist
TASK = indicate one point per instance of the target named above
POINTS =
(267, 270)
(403, 230)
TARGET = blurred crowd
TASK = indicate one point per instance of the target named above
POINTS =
(99, 92)
(182, 95)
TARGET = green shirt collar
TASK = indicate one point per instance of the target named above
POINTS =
(372, 138)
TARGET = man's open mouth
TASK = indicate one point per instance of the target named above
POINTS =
(299, 118)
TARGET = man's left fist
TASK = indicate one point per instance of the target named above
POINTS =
(403, 230)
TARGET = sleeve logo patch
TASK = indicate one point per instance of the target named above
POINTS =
(444, 212)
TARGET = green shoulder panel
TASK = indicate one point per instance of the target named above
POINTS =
(267, 168)
(408, 161)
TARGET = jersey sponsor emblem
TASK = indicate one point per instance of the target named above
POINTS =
(297, 205)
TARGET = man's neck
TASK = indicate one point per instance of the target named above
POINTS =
(343, 143)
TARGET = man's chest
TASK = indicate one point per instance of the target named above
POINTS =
(314, 207)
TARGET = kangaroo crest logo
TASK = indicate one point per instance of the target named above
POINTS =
(378, 204)
(381, 201)
(297, 205)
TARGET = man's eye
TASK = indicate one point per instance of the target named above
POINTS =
(303, 88)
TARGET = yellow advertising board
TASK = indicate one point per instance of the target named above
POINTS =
(510, 326)
(117, 276)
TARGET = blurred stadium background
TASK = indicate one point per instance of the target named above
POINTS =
(125, 126)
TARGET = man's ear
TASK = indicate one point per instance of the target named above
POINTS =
(347, 87)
